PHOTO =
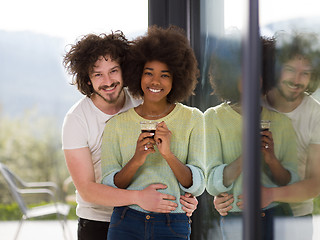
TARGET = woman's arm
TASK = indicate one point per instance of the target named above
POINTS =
(143, 148)
(280, 175)
(232, 171)
(180, 170)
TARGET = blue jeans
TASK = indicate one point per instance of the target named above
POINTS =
(129, 224)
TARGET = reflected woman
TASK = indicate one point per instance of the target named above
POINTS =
(163, 71)
(224, 142)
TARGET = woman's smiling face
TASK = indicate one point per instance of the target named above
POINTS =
(156, 81)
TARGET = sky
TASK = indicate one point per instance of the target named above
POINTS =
(271, 11)
(70, 19)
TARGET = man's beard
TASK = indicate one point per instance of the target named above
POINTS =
(289, 97)
(112, 99)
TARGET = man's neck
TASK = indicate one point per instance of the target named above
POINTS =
(109, 108)
(278, 102)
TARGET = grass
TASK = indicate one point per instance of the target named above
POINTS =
(10, 212)
(316, 206)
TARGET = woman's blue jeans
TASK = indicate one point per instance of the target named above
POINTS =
(129, 224)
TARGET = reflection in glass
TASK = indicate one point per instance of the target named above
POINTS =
(224, 142)
(275, 17)
(297, 77)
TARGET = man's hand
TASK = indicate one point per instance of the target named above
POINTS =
(266, 196)
(151, 200)
(240, 202)
(189, 203)
(223, 202)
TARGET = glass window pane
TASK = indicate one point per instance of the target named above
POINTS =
(222, 31)
(295, 28)
(289, 75)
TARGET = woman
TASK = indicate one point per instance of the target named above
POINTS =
(163, 71)
(224, 141)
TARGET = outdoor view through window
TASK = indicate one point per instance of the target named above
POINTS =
(36, 94)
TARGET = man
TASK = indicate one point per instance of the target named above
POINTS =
(96, 64)
(298, 60)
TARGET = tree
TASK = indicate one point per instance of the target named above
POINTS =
(30, 145)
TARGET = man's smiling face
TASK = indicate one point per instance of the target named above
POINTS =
(106, 79)
(294, 79)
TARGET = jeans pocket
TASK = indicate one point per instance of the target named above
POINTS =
(180, 229)
(116, 218)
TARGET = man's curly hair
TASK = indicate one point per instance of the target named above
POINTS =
(296, 44)
(169, 46)
(80, 60)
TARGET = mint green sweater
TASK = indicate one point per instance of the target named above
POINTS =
(187, 144)
(224, 145)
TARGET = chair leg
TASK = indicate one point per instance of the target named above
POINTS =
(65, 228)
(19, 227)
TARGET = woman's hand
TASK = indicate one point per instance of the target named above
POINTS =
(162, 138)
(267, 146)
(144, 147)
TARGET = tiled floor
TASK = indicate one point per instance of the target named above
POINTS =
(52, 230)
(37, 230)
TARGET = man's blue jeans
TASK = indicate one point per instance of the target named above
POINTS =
(129, 224)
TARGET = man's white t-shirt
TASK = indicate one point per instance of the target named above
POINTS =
(306, 122)
(83, 126)
(316, 95)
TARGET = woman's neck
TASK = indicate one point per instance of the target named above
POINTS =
(154, 111)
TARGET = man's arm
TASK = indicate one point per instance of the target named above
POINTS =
(81, 170)
(302, 190)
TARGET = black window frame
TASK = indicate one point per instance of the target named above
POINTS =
(186, 14)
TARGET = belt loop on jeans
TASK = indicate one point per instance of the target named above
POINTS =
(168, 219)
(124, 212)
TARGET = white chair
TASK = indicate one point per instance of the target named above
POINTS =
(19, 188)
